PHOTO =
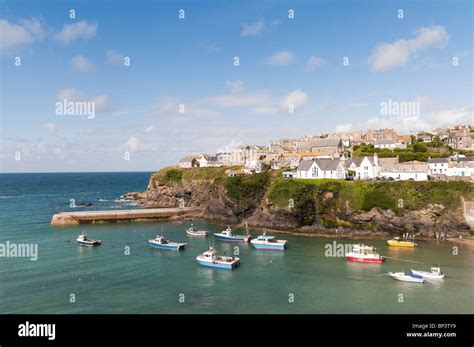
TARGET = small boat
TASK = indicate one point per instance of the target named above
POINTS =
(396, 242)
(84, 204)
(435, 273)
(193, 231)
(161, 242)
(364, 254)
(228, 236)
(406, 277)
(211, 259)
(269, 242)
(83, 240)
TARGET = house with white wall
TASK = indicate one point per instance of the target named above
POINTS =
(321, 168)
(413, 170)
(364, 167)
(438, 166)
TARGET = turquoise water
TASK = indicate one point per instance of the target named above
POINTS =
(106, 280)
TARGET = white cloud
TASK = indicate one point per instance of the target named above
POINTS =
(252, 29)
(115, 58)
(51, 127)
(149, 129)
(132, 144)
(281, 58)
(80, 30)
(389, 55)
(27, 31)
(341, 128)
(82, 64)
(235, 86)
(429, 120)
(314, 62)
(297, 98)
(102, 103)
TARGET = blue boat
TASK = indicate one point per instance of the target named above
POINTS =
(228, 236)
(269, 243)
(162, 243)
(211, 259)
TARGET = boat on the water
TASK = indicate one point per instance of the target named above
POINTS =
(160, 242)
(406, 277)
(396, 242)
(193, 231)
(228, 236)
(210, 258)
(364, 254)
(269, 242)
(83, 240)
(435, 273)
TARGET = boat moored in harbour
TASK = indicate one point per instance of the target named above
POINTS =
(193, 231)
(269, 243)
(396, 242)
(162, 243)
(228, 236)
(210, 258)
(83, 240)
(406, 277)
(364, 254)
(435, 273)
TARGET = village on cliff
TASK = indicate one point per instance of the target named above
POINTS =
(382, 154)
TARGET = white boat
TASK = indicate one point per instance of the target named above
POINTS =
(162, 243)
(406, 277)
(83, 240)
(269, 242)
(228, 236)
(211, 259)
(193, 231)
(364, 254)
(435, 273)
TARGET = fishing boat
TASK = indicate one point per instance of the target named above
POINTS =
(83, 240)
(210, 258)
(162, 243)
(364, 254)
(435, 273)
(269, 242)
(396, 242)
(228, 236)
(193, 231)
(406, 277)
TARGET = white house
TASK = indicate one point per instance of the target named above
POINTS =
(390, 144)
(187, 162)
(438, 166)
(205, 160)
(413, 170)
(364, 167)
(321, 168)
(460, 169)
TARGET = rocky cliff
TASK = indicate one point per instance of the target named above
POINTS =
(317, 206)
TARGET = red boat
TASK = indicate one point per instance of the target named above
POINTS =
(364, 254)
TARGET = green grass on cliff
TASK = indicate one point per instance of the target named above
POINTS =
(247, 190)
(363, 195)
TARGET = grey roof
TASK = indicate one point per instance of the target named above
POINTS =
(358, 160)
(384, 142)
(328, 142)
(305, 165)
(466, 159)
(438, 160)
(189, 158)
(327, 164)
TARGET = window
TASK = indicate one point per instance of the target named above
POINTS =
(315, 171)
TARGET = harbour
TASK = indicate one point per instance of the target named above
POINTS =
(125, 275)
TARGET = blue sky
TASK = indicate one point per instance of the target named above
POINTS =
(189, 61)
